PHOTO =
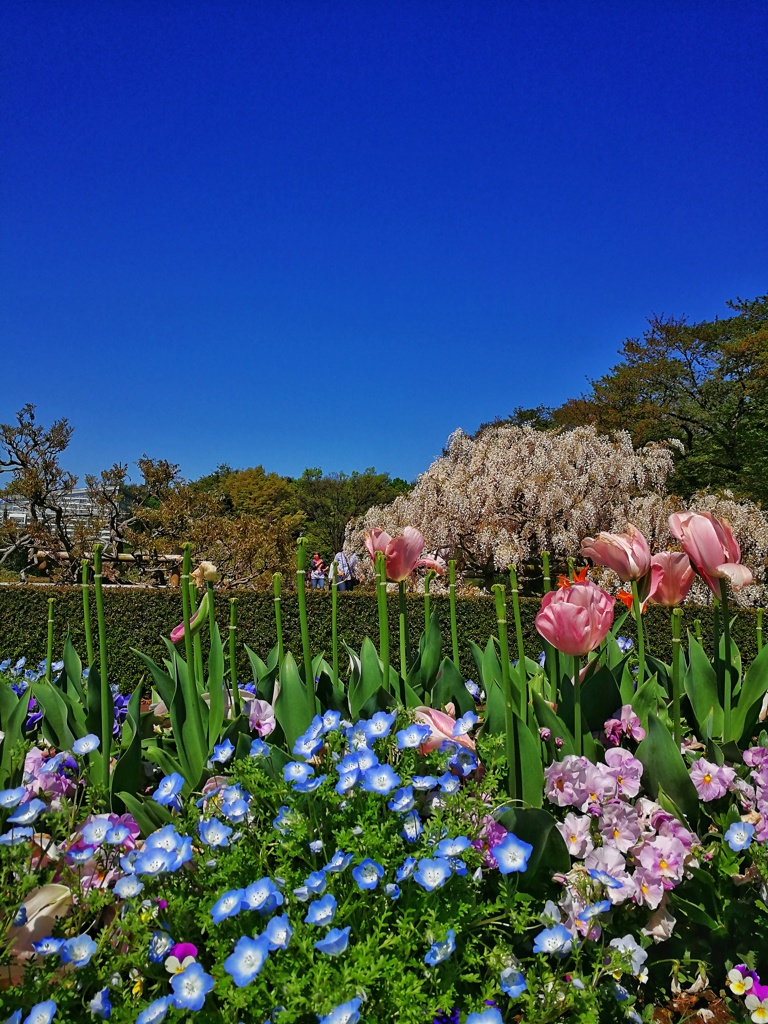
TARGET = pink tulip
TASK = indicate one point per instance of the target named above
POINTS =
(711, 546)
(442, 726)
(575, 619)
(674, 580)
(402, 553)
(627, 553)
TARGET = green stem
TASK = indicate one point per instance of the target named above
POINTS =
(718, 635)
(727, 666)
(233, 656)
(49, 653)
(87, 614)
(334, 621)
(571, 570)
(697, 629)
(577, 705)
(427, 580)
(452, 602)
(506, 686)
(106, 703)
(759, 630)
(301, 576)
(551, 653)
(381, 599)
(677, 616)
(276, 581)
(211, 624)
(186, 605)
(637, 608)
(545, 570)
(519, 639)
(197, 644)
(402, 608)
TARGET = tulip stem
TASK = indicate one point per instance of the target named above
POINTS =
(427, 580)
(233, 657)
(381, 598)
(637, 608)
(196, 641)
(506, 686)
(403, 623)
(301, 577)
(677, 616)
(697, 629)
(727, 667)
(49, 652)
(577, 737)
(276, 580)
(571, 570)
(334, 621)
(522, 672)
(87, 614)
(211, 626)
(452, 603)
(759, 630)
(186, 605)
(551, 653)
(716, 622)
(106, 696)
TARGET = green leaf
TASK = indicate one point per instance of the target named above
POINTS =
(548, 719)
(291, 709)
(149, 816)
(56, 714)
(449, 688)
(127, 773)
(215, 688)
(73, 668)
(700, 683)
(14, 733)
(370, 679)
(664, 768)
(549, 854)
(744, 717)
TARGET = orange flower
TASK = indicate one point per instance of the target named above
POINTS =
(625, 596)
(578, 577)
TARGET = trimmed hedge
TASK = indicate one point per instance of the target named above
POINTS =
(138, 617)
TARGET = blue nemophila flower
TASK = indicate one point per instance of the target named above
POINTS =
(41, 1013)
(153, 861)
(167, 793)
(347, 781)
(512, 982)
(344, 1013)
(512, 854)
(222, 752)
(335, 942)
(406, 869)
(76, 857)
(297, 771)
(357, 736)
(739, 836)
(15, 836)
(380, 779)
(258, 748)
(424, 782)
(55, 763)
(155, 1012)
(94, 832)
(191, 987)
(489, 1016)
(117, 835)
(554, 941)
(368, 874)
(316, 846)
(11, 797)
(331, 720)
(257, 894)
(402, 800)
(600, 876)
(127, 887)
(309, 785)
(322, 911)
(412, 827)
(440, 951)
(448, 747)
(214, 832)
(366, 758)
(432, 873)
(27, 814)
(20, 917)
(5, 665)
(453, 847)
(227, 905)
(160, 945)
(464, 762)
(48, 946)
(625, 643)
(338, 862)
(273, 901)
(247, 959)
(392, 890)
(316, 882)
(86, 744)
(78, 951)
(100, 1005)
(475, 691)
(307, 745)
(235, 811)
(449, 783)
(601, 907)
(279, 932)
(412, 736)
(284, 821)
(379, 726)
(465, 724)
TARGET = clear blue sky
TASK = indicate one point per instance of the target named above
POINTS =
(327, 233)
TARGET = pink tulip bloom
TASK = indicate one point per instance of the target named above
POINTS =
(178, 631)
(575, 619)
(442, 726)
(711, 546)
(627, 553)
(671, 587)
(403, 554)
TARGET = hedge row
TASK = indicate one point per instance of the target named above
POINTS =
(139, 618)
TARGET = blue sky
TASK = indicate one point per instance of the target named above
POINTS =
(329, 233)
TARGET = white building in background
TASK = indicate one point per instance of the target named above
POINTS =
(76, 503)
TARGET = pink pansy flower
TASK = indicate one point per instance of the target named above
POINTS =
(649, 888)
(627, 553)
(661, 924)
(441, 725)
(755, 756)
(491, 834)
(664, 857)
(403, 554)
(611, 861)
(711, 781)
(626, 770)
(620, 827)
(627, 724)
(711, 546)
(564, 781)
(599, 787)
(575, 830)
(261, 716)
(575, 619)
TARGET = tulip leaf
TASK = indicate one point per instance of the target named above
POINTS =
(648, 698)
(291, 709)
(700, 683)
(548, 719)
(421, 676)
(744, 717)
(148, 815)
(73, 668)
(13, 725)
(370, 679)
(664, 768)
(55, 714)
(449, 688)
(127, 773)
(215, 688)
(600, 697)
(538, 828)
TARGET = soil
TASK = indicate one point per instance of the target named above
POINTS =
(703, 1008)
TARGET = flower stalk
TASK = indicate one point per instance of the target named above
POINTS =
(87, 614)
(452, 602)
(727, 680)
(402, 608)
(334, 621)
(106, 702)
(381, 598)
(637, 608)
(49, 651)
(233, 656)
(577, 737)
(677, 616)
(506, 686)
(431, 574)
(301, 575)
(276, 583)
(759, 630)
(186, 606)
